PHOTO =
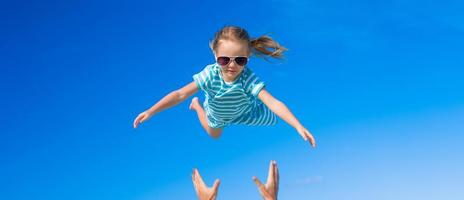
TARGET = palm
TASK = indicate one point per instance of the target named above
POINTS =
(270, 189)
(203, 191)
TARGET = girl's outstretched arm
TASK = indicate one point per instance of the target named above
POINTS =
(281, 110)
(172, 99)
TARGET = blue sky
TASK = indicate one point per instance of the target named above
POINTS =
(378, 83)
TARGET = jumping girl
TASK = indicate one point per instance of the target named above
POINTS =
(233, 93)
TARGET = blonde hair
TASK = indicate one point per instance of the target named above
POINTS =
(261, 46)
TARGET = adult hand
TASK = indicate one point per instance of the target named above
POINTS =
(270, 190)
(204, 192)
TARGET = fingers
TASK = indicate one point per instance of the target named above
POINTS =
(143, 118)
(276, 172)
(261, 188)
(303, 135)
(214, 190)
(216, 184)
(270, 175)
(313, 142)
(139, 119)
(307, 136)
(311, 139)
(199, 179)
(195, 183)
(273, 177)
(276, 178)
(136, 122)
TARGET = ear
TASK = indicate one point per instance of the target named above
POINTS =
(250, 51)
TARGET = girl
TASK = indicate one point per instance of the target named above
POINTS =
(233, 93)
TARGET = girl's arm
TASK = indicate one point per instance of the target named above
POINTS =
(172, 99)
(284, 113)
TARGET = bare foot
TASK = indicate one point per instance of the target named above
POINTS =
(194, 104)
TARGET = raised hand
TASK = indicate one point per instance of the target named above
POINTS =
(270, 190)
(203, 191)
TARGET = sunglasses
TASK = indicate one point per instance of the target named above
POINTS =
(224, 60)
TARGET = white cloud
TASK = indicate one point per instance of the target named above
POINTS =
(309, 180)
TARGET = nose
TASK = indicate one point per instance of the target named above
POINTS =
(231, 64)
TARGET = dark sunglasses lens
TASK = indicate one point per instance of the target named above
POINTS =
(223, 60)
(242, 61)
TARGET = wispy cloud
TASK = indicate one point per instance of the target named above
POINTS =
(309, 180)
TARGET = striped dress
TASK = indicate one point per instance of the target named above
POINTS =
(233, 103)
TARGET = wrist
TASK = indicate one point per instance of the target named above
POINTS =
(150, 112)
(299, 126)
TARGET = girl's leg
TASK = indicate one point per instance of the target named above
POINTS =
(195, 105)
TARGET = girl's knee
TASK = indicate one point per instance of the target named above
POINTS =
(215, 132)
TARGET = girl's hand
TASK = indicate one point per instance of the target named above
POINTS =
(306, 135)
(141, 118)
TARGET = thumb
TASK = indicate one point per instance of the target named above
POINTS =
(304, 136)
(258, 182)
(261, 187)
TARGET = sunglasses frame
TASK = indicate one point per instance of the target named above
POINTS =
(232, 59)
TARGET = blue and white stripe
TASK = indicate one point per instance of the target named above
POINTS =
(233, 103)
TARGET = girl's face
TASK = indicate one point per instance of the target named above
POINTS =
(231, 48)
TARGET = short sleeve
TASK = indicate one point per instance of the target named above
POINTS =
(203, 78)
(252, 84)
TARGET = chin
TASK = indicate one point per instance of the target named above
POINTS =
(231, 77)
